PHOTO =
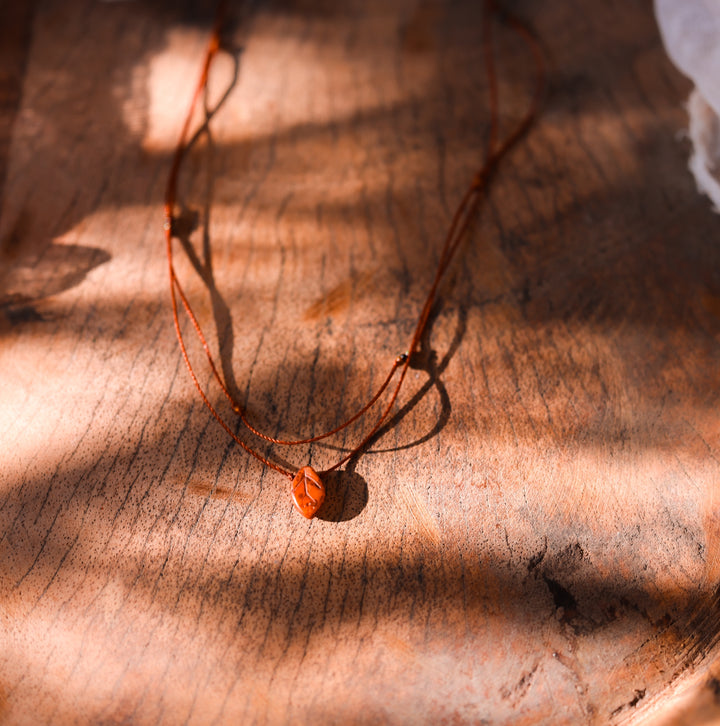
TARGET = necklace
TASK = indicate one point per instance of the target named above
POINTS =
(307, 488)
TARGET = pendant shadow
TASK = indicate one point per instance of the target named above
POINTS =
(346, 495)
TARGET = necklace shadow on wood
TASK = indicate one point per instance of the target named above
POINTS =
(347, 491)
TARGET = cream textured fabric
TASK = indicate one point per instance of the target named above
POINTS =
(691, 33)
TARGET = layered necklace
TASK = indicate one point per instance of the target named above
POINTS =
(307, 487)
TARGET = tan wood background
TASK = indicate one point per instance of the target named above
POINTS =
(534, 539)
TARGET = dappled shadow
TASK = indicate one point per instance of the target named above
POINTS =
(36, 277)
(156, 543)
(210, 568)
(598, 263)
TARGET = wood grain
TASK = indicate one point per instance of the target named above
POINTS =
(534, 539)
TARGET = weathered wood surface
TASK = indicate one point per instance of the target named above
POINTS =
(534, 541)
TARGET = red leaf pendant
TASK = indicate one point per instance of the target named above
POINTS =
(308, 492)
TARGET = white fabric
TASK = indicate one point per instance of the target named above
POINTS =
(690, 30)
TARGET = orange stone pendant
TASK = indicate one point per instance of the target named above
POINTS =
(308, 492)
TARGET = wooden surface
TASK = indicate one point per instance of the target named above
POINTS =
(534, 540)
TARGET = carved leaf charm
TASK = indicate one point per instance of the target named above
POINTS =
(308, 492)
